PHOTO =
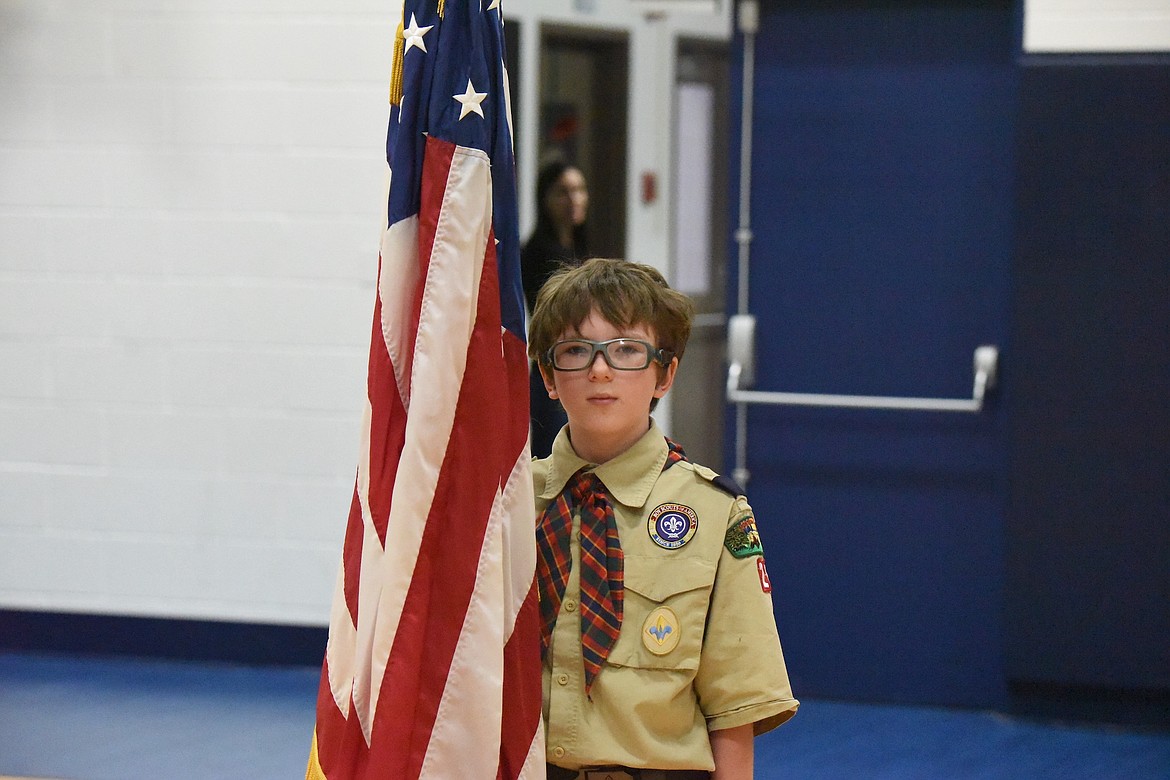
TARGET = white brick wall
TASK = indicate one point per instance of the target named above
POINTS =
(1081, 26)
(190, 198)
(189, 209)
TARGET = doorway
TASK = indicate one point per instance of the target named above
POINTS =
(584, 88)
(700, 243)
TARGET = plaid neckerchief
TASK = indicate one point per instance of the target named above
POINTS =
(602, 565)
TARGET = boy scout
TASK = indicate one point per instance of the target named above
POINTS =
(661, 655)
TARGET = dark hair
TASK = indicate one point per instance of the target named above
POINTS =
(546, 179)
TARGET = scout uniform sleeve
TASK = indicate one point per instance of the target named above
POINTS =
(741, 677)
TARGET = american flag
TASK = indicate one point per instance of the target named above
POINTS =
(432, 667)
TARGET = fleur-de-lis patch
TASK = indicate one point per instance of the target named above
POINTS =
(672, 525)
(661, 631)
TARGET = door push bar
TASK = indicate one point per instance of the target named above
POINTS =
(741, 347)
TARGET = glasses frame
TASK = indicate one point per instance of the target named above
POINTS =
(653, 354)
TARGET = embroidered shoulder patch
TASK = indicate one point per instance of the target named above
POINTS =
(743, 539)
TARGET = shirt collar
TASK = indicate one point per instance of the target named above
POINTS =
(629, 477)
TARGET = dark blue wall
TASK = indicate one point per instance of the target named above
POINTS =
(189, 640)
(1089, 529)
(916, 182)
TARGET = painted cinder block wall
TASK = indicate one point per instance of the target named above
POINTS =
(190, 203)
(189, 215)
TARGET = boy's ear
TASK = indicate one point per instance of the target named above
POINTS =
(666, 378)
(549, 385)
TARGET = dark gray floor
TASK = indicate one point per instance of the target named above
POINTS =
(103, 719)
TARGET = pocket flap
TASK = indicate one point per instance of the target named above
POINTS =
(659, 578)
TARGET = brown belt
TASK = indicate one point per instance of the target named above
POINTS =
(625, 773)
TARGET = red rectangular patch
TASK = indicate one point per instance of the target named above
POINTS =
(765, 580)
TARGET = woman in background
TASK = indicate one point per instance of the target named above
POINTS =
(558, 240)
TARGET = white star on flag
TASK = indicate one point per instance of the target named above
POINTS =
(470, 100)
(413, 35)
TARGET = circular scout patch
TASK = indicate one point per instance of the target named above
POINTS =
(672, 525)
(661, 631)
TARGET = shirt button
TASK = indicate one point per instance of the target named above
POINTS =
(570, 605)
(563, 679)
(559, 751)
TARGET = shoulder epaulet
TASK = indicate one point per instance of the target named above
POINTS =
(728, 485)
(724, 483)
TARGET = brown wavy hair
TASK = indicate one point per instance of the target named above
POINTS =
(624, 293)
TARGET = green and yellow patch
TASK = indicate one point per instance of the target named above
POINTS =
(743, 539)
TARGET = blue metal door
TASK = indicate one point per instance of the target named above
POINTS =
(881, 243)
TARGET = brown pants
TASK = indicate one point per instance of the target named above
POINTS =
(625, 773)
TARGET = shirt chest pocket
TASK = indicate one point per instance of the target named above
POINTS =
(666, 600)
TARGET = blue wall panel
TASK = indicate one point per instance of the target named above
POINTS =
(1089, 561)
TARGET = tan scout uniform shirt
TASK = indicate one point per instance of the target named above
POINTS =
(711, 661)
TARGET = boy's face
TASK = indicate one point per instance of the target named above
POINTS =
(608, 409)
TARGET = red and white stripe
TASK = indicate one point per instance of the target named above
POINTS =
(432, 666)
